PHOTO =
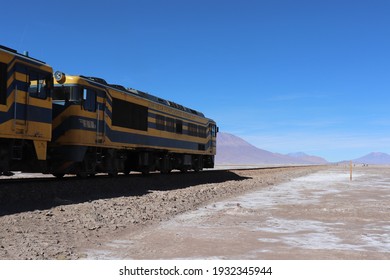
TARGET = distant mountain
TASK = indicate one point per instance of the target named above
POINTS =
(234, 150)
(308, 158)
(374, 158)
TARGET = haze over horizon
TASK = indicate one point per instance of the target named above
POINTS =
(232, 149)
(287, 76)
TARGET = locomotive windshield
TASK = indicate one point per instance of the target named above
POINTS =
(62, 94)
(40, 84)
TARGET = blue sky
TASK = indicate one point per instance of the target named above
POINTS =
(287, 76)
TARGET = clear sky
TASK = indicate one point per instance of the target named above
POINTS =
(285, 75)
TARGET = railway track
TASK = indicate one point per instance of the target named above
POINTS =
(29, 193)
(19, 177)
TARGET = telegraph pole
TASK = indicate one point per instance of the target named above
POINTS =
(350, 170)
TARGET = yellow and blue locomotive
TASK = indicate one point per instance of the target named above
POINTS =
(83, 125)
(25, 112)
(101, 127)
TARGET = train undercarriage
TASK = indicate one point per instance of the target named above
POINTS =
(19, 155)
(88, 161)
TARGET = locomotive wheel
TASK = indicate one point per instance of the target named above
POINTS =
(145, 171)
(127, 171)
(82, 175)
(58, 175)
(111, 163)
(165, 164)
(113, 173)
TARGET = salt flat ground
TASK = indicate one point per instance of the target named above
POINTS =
(323, 215)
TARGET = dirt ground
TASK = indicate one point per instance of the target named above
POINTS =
(279, 213)
(319, 216)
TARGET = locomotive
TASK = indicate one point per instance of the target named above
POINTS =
(25, 111)
(67, 124)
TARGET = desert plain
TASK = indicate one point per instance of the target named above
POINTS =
(305, 212)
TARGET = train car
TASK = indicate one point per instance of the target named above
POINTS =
(101, 127)
(25, 111)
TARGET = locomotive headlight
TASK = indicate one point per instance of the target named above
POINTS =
(60, 77)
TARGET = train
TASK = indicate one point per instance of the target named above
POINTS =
(55, 123)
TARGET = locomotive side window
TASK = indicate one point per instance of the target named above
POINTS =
(129, 115)
(202, 131)
(213, 130)
(66, 93)
(3, 83)
(89, 98)
(192, 129)
(179, 126)
(160, 122)
(170, 123)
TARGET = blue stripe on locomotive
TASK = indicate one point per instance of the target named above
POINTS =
(27, 112)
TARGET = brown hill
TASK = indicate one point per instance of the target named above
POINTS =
(374, 158)
(234, 150)
(309, 158)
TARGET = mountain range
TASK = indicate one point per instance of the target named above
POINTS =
(233, 150)
(374, 158)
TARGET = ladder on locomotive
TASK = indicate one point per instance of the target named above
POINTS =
(100, 129)
(20, 125)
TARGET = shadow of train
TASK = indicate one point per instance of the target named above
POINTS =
(22, 196)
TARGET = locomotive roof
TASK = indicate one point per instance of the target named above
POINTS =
(144, 95)
(24, 56)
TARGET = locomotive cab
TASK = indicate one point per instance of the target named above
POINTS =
(25, 111)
